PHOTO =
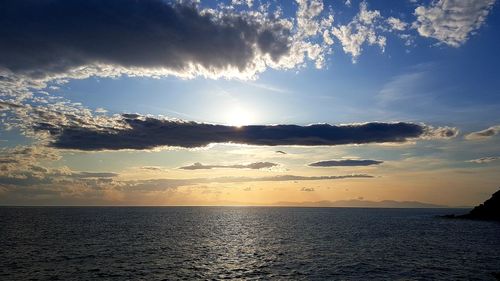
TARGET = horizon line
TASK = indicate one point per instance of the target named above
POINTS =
(242, 206)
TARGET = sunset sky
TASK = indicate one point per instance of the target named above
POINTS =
(150, 102)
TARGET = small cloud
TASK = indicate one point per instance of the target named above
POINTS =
(211, 191)
(484, 160)
(280, 152)
(254, 166)
(396, 24)
(100, 110)
(249, 3)
(484, 134)
(346, 162)
(247, 188)
(152, 168)
(307, 189)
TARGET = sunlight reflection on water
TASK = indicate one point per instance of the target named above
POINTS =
(244, 243)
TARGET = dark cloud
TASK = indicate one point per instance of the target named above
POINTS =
(280, 152)
(256, 165)
(140, 132)
(345, 162)
(40, 38)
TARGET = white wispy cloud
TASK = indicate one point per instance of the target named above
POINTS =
(396, 24)
(249, 3)
(362, 29)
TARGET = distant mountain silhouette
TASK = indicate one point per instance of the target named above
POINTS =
(362, 204)
(489, 210)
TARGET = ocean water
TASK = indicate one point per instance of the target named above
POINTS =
(244, 243)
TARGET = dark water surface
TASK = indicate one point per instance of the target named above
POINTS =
(193, 243)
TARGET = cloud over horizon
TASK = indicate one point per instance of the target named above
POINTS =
(25, 176)
(36, 184)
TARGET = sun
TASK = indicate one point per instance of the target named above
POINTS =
(239, 116)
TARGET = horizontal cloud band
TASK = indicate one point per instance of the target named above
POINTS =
(345, 162)
(139, 132)
(162, 184)
(254, 166)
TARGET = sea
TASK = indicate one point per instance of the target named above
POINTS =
(244, 243)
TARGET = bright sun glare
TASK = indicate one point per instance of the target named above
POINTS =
(238, 116)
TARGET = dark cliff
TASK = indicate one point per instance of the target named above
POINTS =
(489, 210)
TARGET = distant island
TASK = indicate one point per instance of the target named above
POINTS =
(489, 210)
(357, 203)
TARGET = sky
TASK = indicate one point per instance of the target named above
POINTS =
(153, 102)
